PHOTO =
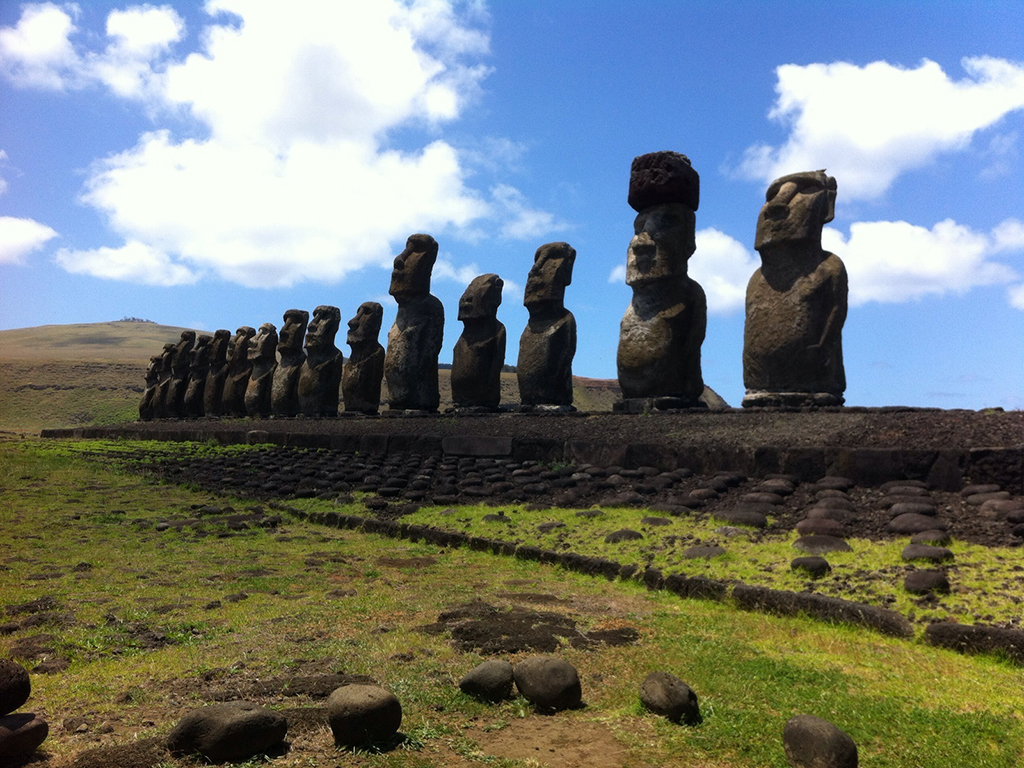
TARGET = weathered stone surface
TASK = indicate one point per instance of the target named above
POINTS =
(661, 334)
(163, 383)
(364, 370)
(239, 367)
(666, 695)
(213, 391)
(967, 638)
(20, 735)
(414, 341)
(548, 343)
(927, 552)
(914, 523)
(663, 177)
(623, 534)
(147, 406)
(479, 353)
(363, 714)
(923, 582)
(811, 742)
(785, 603)
(796, 302)
(263, 360)
(490, 680)
(815, 567)
(741, 516)
(820, 526)
(15, 686)
(284, 395)
(702, 552)
(227, 732)
(933, 537)
(548, 683)
(180, 362)
(818, 544)
(199, 369)
(320, 376)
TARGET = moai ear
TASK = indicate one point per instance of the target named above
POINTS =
(831, 188)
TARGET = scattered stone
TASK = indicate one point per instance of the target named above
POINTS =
(655, 521)
(1000, 509)
(923, 582)
(20, 734)
(15, 686)
(668, 696)
(763, 497)
(977, 499)
(703, 551)
(811, 742)
(913, 523)
(623, 534)
(820, 526)
(491, 681)
(815, 567)
(739, 516)
(227, 732)
(972, 490)
(363, 714)
(934, 537)
(926, 552)
(912, 508)
(548, 683)
(821, 545)
(834, 482)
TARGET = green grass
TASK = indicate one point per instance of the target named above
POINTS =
(752, 672)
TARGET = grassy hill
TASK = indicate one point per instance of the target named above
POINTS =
(93, 373)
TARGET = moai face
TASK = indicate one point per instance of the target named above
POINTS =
(365, 326)
(410, 277)
(264, 344)
(167, 356)
(293, 331)
(238, 347)
(323, 328)
(200, 355)
(796, 208)
(219, 346)
(481, 299)
(550, 273)
(153, 370)
(664, 240)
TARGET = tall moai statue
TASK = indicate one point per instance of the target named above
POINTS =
(239, 369)
(364, 370)
(548, 343)
(213, 392)
(662, 331)
(284, 396)
(163, 384)
(147, 407)
(479, 353)
(181, 362)
(320, 375)
(263, 360)
(199, 369)
(414, 341)
(796, 301)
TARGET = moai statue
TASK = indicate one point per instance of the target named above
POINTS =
(320, 376)
(239, 369)
(263, 359)
(479, 353)
(213, 392)
(414, 341)
(284, 396)
(662, 331)
(163, 384)
(147, 409)
(199, 369)
(181, 362)
(548, 343)
(796, 301)
(363, 371)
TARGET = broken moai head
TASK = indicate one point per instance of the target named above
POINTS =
(410, 277)
(796, 207)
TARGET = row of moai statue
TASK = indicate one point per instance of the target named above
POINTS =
(796, 306)
(796, 302)
(240, 375)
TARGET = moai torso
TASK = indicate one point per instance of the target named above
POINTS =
(163, 385)
(263, 359)
(414, 341)
(146, 407)
(320, 376)
(797, 301)
(364, 370)
(548, 343)
(479, 353)
(284, 395)
(213, 392)
(238, 370)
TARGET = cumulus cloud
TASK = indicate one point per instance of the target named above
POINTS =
(288, 172)
(133, 262)
(20, 237)
(894, 261)
(869, 124)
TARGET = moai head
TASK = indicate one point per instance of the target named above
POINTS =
(264, 344)
(796, 208)
(550, 273)
(293, 332)
(153, 370)
(410, 277)
(481, 299)
(323, 328)
(219, 346)
(167, 357)
(663, 241)
(238, 347)
(200, 356)
(364, 328)
(183, 351)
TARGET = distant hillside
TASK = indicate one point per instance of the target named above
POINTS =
(93, 373)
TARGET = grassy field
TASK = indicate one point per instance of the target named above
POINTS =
(151, 623)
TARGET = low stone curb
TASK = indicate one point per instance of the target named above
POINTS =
(966, 638)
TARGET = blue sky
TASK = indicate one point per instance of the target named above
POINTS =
(214, 164)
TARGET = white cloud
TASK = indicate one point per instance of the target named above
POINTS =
(522, 221)
(19, 237)
(723, 266)
(618, 274)
(37, 52)
(1015, 293)
(867, 125)
(133, 262)
(894, 261)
